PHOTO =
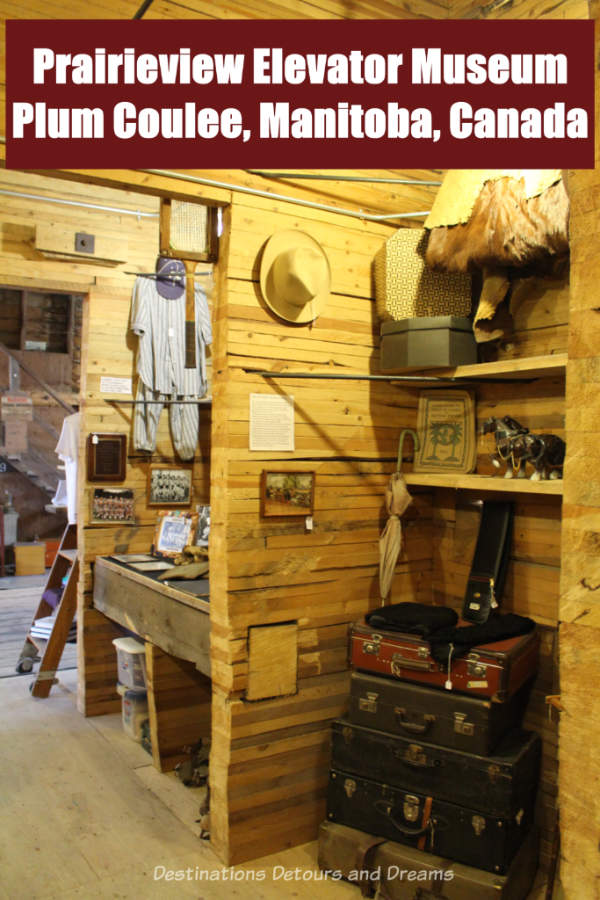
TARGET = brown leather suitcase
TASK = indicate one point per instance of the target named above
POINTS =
(474, 724)
(399, 872)
(495, 670)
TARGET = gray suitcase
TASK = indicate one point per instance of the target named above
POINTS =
(405, 873)
(459, 721)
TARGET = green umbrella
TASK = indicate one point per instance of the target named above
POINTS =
(397, 501)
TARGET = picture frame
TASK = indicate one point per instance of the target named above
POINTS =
(287, 493)
(106, 456)
(203, 526)
(174, 530)
(446, 430)
(112, 506)
(169, 485)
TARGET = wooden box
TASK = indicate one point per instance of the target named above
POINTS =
(30, 559)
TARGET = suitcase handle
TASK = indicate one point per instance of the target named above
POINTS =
(415, 759)
(413, 727)
(382, 807)
(400, 662)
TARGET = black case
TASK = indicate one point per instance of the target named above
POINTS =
(446, 829)
(499, 785)
(474, 724)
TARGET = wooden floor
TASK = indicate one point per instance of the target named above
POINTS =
(85, 814)
(17, 607)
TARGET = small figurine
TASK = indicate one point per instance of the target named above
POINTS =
(516, 446)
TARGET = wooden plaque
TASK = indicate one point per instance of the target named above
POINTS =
(446, 429)
(106, 457)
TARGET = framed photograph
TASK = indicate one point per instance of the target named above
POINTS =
(446, 429)
(169, 485)
(287, 493)
(203, 526)
(174, 531)
(112, 506)
(106, 457)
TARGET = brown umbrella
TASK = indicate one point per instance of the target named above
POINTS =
(397, 501)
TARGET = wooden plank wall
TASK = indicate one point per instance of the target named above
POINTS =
(579, 611)
(108, 349)
(271, 785)
(532, 589)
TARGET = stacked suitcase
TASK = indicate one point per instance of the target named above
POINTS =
(432, 758)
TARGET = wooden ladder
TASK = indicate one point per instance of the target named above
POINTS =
(50, 651)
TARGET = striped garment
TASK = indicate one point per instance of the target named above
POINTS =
(160, 326)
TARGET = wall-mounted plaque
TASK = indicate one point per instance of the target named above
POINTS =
(446, 429)
(106, 457)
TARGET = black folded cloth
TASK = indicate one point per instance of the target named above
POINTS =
(412, 618)
(438, 625)
(499, 627)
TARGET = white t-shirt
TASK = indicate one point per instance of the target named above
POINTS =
(68, 451)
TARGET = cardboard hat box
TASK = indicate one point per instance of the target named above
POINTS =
(427, 342)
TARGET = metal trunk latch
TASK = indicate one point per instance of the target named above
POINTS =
(368, 703)
(475, 668)
(410, 808)
(461, 726)
(478, 823)
(373, 645)
(349, 786)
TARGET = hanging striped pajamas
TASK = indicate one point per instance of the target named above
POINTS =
(160, 326)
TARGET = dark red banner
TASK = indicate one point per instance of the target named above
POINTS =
(300, 94)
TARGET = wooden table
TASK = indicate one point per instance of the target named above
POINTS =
(176, 628)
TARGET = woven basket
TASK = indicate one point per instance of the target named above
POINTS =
(406, 288)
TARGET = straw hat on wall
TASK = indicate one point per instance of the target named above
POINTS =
(295, 278)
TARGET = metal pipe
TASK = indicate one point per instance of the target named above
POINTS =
(321, 177)
(224, 185)
(61, 200)
(435, 379)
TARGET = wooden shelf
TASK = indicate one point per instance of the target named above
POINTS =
(521, 369)
(485, 483)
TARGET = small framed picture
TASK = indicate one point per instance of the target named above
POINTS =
(203, 526)
(446, 429)
(169, 485)
(174, 531)
(287, 493)
(112, 506)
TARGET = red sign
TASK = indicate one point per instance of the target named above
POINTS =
(301, 94)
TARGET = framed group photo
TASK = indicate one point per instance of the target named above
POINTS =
(169, 485)
(112, 506)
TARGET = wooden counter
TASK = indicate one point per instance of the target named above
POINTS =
(176, 628)
(171, 619)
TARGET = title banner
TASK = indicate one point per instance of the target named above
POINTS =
(301, 94)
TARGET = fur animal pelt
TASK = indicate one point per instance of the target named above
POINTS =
(505, 229)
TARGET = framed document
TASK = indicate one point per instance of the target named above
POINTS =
(106, 457)
(446, 429)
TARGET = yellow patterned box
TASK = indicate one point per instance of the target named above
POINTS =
(406, 288)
